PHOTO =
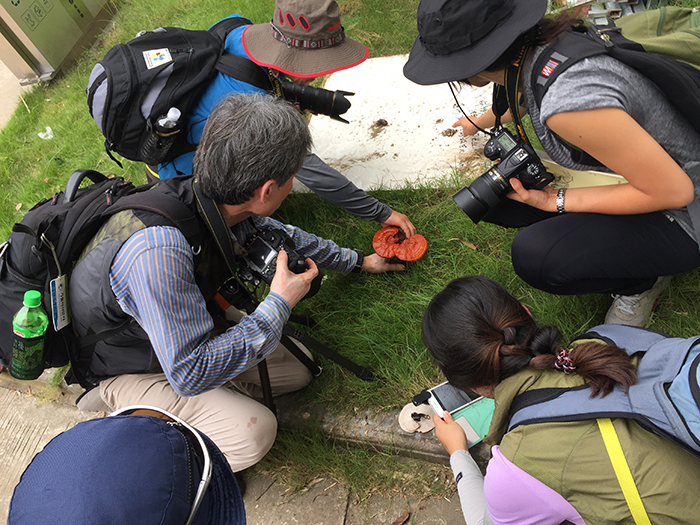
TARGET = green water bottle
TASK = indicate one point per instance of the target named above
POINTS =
(29, 328)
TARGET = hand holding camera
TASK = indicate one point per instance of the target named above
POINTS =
(515, 160)
(291, 286)
(544, 199)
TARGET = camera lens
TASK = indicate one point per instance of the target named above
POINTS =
(483, 194)
(317, 100)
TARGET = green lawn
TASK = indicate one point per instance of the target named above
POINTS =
(374, 320)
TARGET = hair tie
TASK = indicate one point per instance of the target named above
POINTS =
(564, 362)
(509, 335)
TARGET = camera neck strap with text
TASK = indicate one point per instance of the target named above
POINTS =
(506, 97)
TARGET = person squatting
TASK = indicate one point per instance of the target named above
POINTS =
(620, 239)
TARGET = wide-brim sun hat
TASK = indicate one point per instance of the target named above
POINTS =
(458, 39)
(305, 39)
(126, 469)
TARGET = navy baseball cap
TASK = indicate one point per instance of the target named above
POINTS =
(128, 469)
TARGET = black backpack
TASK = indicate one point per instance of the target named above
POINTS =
(679, 81)
(47, 243)
(137, 83)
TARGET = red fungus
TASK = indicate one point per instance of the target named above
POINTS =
(390, 242)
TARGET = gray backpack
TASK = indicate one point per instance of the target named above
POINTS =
(665, 400)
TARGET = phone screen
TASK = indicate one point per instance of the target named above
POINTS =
(451, 398)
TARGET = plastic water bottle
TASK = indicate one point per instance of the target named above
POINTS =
(162, 136)
(167, 122)
(29, 328)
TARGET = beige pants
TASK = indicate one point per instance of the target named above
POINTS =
(241, 427)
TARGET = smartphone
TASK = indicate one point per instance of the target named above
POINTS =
(446, 397)
(472, 412)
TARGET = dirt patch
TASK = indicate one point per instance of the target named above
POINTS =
(377, 127)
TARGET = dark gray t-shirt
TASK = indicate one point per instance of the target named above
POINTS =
(603, 82)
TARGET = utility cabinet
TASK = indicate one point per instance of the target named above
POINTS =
(39, 37)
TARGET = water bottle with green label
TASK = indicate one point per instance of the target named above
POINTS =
(29, 328)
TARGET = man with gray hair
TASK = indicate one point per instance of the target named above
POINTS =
(157, 284)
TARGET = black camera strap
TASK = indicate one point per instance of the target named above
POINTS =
(217, 226)
(360, 371)
(506, 97)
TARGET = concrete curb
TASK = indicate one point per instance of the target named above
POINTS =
(376, 429)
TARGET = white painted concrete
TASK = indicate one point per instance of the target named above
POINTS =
(399, 131)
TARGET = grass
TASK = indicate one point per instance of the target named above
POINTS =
(374, 320)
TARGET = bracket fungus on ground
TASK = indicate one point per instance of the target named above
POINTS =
(390, 242)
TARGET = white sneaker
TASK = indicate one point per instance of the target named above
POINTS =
(635, 310)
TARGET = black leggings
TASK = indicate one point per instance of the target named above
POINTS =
(580, 253)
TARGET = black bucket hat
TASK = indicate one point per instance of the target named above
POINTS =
(458, 39)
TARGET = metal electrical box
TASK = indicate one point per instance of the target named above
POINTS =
(38, 37)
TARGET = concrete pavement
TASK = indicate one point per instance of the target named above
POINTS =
(32, 413)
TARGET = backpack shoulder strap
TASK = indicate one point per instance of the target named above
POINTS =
(168, 207)
(244, 69)
(223, 27)
(570, 48)
(633, 339)
(235, 66)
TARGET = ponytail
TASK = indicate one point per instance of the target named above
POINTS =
(600, 365)
(479, 335)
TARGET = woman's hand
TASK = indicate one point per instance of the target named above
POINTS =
(468, 128)
(450, 434)
(544, 199)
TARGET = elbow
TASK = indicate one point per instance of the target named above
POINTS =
(684, 195)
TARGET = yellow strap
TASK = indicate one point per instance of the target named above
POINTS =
(622, 471)
(151, 172)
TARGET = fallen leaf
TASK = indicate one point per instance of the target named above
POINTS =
(402, 519)
(18, 206)
(466, 243)
(46, 179)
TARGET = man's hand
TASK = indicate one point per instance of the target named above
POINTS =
(376, 264)
(292, 287)
(400, 221)
(450, 434)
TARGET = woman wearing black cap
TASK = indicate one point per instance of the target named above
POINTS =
(617, 239)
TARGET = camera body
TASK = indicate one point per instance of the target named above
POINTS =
(262, 248)
(514, 158)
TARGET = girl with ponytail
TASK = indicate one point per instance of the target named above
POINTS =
(483, 339)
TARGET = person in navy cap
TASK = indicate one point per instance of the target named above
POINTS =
(140, 465)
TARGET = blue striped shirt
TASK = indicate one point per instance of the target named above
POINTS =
(152, 277)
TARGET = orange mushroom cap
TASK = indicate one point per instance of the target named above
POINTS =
(390, 242)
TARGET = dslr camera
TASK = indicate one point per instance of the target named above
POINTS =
(260, 261)
(514, 158)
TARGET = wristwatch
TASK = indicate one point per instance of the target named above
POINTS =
(560, 200)
(360, 257)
